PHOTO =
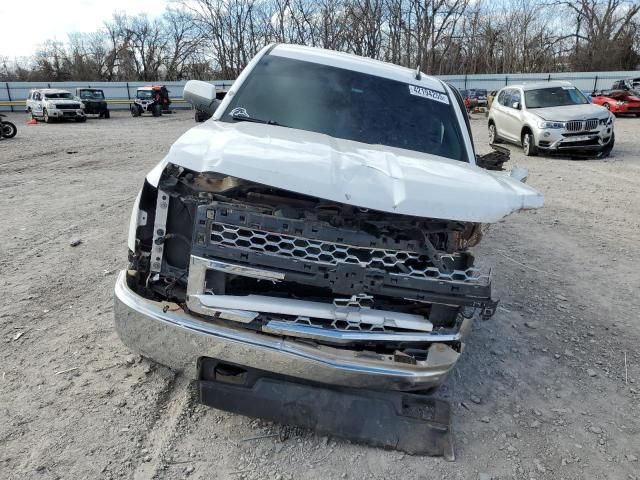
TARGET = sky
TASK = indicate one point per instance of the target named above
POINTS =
(25, 24)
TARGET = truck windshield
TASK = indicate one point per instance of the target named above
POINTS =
(350, 105)
(554, 97)
(91, 94)
(58, 95)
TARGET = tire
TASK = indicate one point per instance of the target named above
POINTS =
(604, 153)
(30, 113)
(135, 112)
(81, 119)
(47, 118)
(9, 130)
(156, 110)
(107, 114)
(607, 106)
(493, 134)
(529, 145)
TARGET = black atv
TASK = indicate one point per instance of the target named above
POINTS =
(152, 99)
(93, 102)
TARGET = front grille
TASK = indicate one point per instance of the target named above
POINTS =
(591, 124)
(398, 262)
(574, 126)
(581, 125)
(68, 106)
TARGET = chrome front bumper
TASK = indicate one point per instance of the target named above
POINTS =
(165, 334)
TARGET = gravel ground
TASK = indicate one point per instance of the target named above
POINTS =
(543, 390)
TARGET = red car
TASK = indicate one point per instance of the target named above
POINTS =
(619, 102)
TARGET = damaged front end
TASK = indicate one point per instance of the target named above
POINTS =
(392, 292)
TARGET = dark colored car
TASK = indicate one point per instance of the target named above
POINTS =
(629, 84)
(478, 96)
(93, 102)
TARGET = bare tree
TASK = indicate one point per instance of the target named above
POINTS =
(217, 38)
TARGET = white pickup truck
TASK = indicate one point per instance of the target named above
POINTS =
(318, 227)
(51, 104)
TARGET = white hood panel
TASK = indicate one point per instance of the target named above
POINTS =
(369, 176)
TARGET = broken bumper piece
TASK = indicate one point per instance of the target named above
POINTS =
(416, 424)
(164, 333)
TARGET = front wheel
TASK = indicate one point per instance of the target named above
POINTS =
(107, 114)
(9, 130)
(156, 110)
(529, 145)
(604, 153)
(493, 134)
(81, 119)
(47, 118)
(135, 112)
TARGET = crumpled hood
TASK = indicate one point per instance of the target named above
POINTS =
(571, 112)
(369, 176)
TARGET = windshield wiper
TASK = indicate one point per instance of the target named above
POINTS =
(244, 118)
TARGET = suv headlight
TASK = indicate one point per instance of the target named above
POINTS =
(51, 106)
(607, 121)
(550, 124)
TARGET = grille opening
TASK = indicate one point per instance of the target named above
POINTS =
(439, 315)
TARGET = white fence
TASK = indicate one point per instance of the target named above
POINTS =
(119, 94)
(585, 81)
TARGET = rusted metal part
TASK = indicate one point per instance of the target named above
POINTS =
(494, 160)
(413, 423)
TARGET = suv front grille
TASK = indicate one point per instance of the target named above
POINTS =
(397, 262)
(67, 106)
(582, 125)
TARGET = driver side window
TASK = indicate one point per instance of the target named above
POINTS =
(505, 97)
(515, 98)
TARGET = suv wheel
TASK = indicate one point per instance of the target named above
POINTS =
(493, 134)
(47, 118)
(604, 153)
(529, 145)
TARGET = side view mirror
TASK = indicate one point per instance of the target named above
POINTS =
(516, 105)
(201, 95)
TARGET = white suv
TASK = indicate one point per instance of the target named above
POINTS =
(52, 104)
(550, 116)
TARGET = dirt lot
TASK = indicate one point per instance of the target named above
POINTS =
(542, 391)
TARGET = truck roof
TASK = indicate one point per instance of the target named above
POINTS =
(50, 90)
(538, 85)
(356, 63)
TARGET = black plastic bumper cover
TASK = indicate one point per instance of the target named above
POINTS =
(415, 424)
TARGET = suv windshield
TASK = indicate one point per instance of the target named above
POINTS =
(58, 95)
(554, 97)
(350, 105)
(91, 94)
